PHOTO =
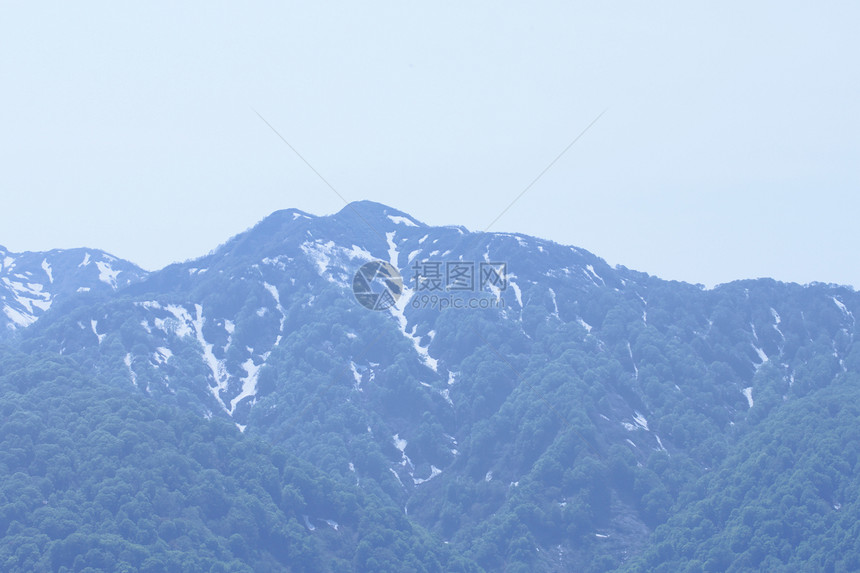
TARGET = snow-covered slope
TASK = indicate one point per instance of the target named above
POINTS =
(277, 273)
(31, 282)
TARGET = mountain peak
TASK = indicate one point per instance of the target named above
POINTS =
(291, 214)
(371, 211)
(32, 281)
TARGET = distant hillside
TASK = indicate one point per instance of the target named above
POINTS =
(30, 283)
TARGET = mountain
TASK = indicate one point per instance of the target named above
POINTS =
(431, 396)
(31, 282)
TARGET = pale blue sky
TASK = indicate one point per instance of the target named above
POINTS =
(730, 148)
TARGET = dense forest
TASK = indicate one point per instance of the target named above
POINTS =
(95, 478)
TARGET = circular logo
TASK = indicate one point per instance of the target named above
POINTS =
(377, 285)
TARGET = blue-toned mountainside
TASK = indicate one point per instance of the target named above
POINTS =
(30, 283)
(573, 416)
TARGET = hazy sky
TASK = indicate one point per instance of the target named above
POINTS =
(730, 148)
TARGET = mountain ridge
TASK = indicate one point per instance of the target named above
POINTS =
(559, 426)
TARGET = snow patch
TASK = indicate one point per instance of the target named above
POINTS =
(762, 356)
(748, 393)
(308, 523)
(162, 354)
(356, 375)
(397, 476)
(27, 296)
(277, 262)
(320, 254)
(594, 274)
(356, 252)
(518, 293)
(640, 420)
(106, 274)
(275, 295)
(19, 318)
(777, 320)
(249, 382)
(397, 220)
(775, 315)
(446, 394)
(94, 324)
(128, 362)
(46, 266)
(841, 306)
(181, 325)
(392, 249)
(630, 351)
(219, 371)
(555, 305)
(434, 471)
(398, 311)
(324, 256)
